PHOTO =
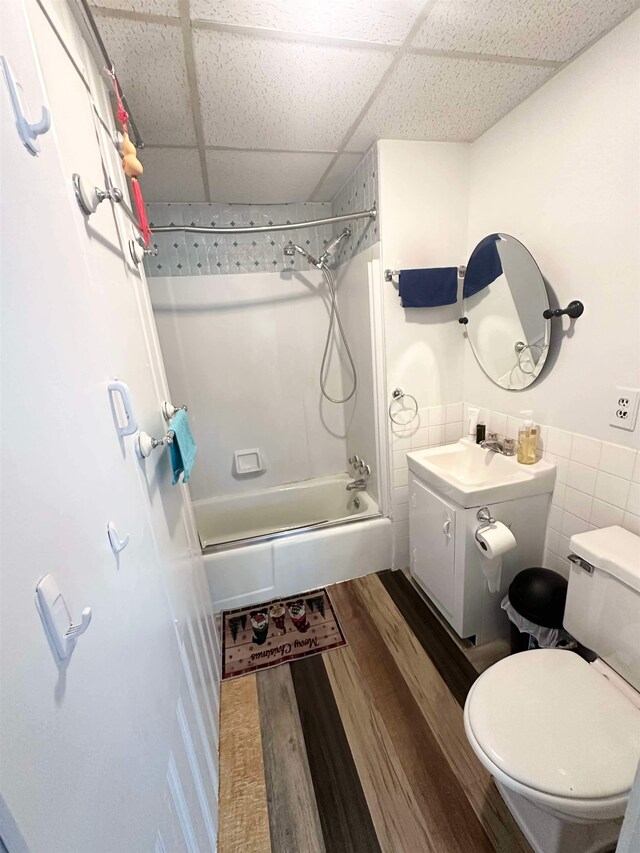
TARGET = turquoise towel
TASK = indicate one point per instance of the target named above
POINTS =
(183, 448)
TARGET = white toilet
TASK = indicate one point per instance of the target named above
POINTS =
(560, 736)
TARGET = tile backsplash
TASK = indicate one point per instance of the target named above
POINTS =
(597, 482)
(359, 192)
(181, 253)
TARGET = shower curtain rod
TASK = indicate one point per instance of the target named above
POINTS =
(258, 229)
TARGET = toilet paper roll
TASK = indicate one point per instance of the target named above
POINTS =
(494, 540)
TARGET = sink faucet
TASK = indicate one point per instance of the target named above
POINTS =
(357, 484)
(499, 444)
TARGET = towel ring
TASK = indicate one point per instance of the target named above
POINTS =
(398, 395)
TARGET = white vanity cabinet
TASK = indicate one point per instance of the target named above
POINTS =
(447, 565)
(432, 522)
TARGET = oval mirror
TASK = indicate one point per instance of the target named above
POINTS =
(504, 296)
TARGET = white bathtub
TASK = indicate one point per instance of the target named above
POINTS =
(290, 539)
(226, 520)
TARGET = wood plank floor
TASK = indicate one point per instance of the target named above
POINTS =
(361, 749)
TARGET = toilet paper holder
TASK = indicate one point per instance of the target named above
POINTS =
(486, 520)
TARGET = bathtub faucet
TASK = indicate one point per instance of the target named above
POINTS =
(357, 484)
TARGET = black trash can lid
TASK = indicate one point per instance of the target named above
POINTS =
(540, 596)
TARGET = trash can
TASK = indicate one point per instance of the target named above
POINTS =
(535, 607)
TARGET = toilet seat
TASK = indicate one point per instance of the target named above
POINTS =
(548, 726)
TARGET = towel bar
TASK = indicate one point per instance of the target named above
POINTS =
(145, 443)
(389, 274)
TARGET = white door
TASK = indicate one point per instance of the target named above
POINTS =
(117, 749)
(432, 528)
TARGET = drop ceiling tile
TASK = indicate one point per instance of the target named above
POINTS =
(172, 174)
(149, 7)
(535, 29)
(383, 21)
(340, 171)
(149, 62)
(260, 93)
(449, 99)
(264, 177)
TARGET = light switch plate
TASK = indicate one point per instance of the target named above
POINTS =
(625, 409)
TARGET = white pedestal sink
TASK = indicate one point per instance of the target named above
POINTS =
(471, 476)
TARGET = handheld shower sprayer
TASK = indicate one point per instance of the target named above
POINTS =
(334, 317)
(291, 248)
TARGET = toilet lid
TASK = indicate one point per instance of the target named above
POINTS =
(547, 719)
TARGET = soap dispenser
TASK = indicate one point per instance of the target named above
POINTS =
(527, 439)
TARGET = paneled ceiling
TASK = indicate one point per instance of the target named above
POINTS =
(271, 101)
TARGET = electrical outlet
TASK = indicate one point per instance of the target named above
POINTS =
(625, 409)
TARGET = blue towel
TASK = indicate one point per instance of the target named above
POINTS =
(428, 288)
(484, 266)
(183, 448)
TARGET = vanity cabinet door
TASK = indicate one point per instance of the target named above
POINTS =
(432, 524)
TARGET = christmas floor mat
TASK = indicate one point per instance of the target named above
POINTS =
(278, 631)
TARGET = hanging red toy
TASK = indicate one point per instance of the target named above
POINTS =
(131, 166)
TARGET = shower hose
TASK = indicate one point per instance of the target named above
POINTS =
(334, 318)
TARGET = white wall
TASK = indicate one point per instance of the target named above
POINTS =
(243, 351)
(423, 212)
(423, 218)
(562, 174)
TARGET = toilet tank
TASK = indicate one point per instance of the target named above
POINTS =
(603, 598)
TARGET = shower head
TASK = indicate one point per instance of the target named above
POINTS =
(292, 248)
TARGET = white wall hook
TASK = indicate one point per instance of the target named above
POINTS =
(61, 631)
(122, 389)
(117, 544)
(76, 630)
(28, 131)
